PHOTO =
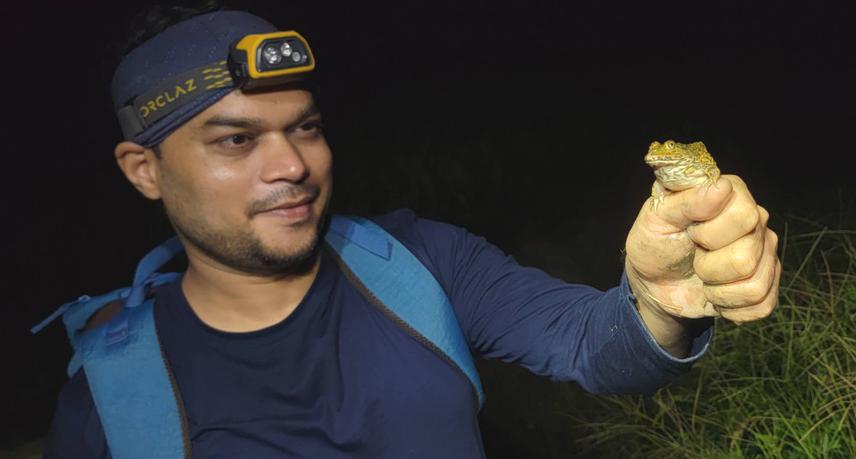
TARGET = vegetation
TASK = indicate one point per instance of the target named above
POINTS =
(783, 387)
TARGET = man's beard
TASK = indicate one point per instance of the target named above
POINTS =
(245, 252)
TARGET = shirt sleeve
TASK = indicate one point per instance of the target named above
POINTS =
(76, 429)
(522, 315)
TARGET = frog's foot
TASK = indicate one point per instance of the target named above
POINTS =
(712, 175)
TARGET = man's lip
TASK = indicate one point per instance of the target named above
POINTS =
(290, 205)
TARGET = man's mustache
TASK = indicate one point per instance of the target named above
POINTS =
(281, 196)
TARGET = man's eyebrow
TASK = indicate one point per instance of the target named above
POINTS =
(307, 112)
(238, 122)
(257, 123)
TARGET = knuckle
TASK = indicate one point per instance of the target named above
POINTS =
(744, 218)
(756, 293)
(737, 180)
(703, 239)
(773, 237)
(765, 215)
(767, 310)
(743, 263)
(750, 218)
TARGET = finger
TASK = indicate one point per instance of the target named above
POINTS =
(739, 217)
(760, 310)
(734, 262)
(751, 290)
(682, 208)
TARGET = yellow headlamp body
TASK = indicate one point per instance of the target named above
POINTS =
(270, 58)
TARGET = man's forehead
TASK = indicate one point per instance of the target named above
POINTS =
(268, 107)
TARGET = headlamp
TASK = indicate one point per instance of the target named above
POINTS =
(271, 58)
(254, 61)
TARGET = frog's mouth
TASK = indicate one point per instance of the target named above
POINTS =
(660, 161)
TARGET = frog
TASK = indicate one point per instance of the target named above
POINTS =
(678, 166)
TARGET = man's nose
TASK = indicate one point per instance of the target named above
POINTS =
(282, 160)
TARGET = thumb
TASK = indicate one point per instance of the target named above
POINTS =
(697, 204)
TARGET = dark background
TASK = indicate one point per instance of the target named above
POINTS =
(525, 122)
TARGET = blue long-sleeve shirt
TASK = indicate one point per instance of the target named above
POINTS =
(337, 378)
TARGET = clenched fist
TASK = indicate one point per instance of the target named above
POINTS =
(704, 252)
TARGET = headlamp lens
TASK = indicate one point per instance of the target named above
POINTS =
(271, 55)
(286, 49)
(277, 54)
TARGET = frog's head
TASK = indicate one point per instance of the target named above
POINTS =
(665, 154)
(670, 153)
(677, 165)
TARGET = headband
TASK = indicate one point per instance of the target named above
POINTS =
(178, 73)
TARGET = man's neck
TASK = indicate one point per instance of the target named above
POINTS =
(231, 301)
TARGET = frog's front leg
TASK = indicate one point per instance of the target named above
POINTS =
(658, 192)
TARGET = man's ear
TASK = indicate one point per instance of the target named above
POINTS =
(140, 166)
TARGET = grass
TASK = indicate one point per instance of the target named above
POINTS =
(782, 387)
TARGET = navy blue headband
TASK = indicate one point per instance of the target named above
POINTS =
(181, 48)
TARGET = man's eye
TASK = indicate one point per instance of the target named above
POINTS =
(311, 127)
(235, 141)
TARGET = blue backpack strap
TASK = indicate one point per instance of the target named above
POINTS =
(75, 314)
(398, 283)
(136, 397)
(133, 389)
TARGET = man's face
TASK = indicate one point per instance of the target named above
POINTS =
(229, 174)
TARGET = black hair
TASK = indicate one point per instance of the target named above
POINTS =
(158, 17)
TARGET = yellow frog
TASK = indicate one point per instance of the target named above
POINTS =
(679, 166)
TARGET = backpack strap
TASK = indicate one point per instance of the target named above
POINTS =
(133, 389)
(393, 279)
(76, 314)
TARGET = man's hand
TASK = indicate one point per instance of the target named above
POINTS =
(704, 252)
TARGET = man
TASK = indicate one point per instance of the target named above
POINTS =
(276, 353)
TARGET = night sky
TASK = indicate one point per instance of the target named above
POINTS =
(525, 122)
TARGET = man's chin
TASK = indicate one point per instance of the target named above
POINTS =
(294, 239)
(298, 248)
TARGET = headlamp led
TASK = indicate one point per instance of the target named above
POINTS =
(255, 61)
